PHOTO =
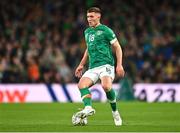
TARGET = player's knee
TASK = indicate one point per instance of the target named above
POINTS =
(106, 87)
(81, 85)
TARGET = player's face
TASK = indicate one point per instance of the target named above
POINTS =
(93, 19)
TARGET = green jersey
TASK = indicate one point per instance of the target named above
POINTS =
(98, 41)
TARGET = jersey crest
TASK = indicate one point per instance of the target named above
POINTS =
(99, 32)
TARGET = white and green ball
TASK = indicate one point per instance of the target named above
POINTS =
(78, 121)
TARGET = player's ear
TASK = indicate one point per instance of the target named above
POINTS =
(99, 15)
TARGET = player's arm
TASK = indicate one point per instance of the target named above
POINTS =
(79, 69)
(118, 51)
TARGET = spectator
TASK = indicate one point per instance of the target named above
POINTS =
(42, 41)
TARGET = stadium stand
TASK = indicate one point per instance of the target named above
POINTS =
(42, 41)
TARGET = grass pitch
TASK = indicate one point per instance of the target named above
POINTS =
(56, 117)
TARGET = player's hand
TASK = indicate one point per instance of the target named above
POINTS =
(120, 71)
(78, 71)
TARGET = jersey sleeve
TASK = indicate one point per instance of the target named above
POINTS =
(85, 36)
(111, 37)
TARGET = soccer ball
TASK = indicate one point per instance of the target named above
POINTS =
(78, 121)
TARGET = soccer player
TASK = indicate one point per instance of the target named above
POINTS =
(100, 41)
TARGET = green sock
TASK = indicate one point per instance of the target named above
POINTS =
(112, 98)
(86, 96)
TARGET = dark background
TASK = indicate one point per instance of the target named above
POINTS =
(41, 41)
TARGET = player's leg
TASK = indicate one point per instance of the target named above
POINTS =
(107, 76)
(83, 86)
(106, 83)
(87, 80)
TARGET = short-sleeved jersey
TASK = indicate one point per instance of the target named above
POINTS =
(98, 41)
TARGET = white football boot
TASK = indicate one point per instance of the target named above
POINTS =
(87, 111)
(117, 118)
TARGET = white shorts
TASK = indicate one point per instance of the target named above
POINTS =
(96, 73)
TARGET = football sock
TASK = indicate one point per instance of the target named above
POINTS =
(112, 99)
(86, 96)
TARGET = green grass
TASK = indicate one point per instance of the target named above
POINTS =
(137, 116)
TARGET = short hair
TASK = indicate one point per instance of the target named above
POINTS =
(94, 9)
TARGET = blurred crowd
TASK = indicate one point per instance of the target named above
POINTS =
(42, 41)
